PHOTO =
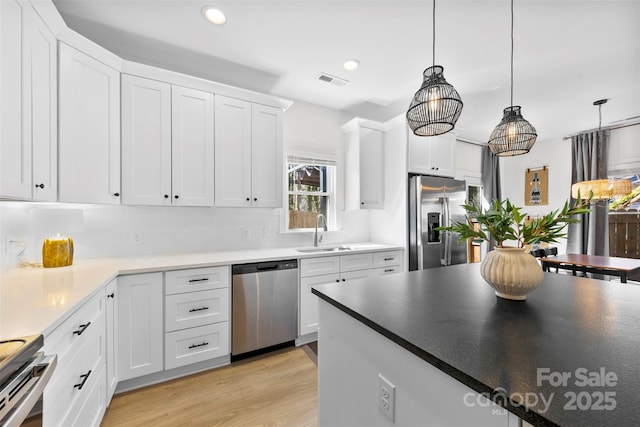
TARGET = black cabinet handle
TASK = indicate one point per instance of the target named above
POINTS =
(84, 377)
(166, 196)
(82, 329)
(389, 270)
(204, 279)
(248, 199)
(255, 199)
(389, 259)
(344, 280)
(337, 280)
(176, 196)
(116, 194)
(198, 309)
(111, 295)
(362, 203)
(39, 185)
(198, 345)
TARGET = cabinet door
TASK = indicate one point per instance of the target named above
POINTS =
(431, 155)
(233, 152)
(110, 312)
(146, 141)
(371, 168)
(192, 147)
(309, 302)
(15, 152)
(41, 105)
(89, 129)
(443, 155)
(140, 325)
(266, 157)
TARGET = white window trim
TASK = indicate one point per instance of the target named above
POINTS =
(338, 194)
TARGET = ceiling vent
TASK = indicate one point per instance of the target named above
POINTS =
(328, 78)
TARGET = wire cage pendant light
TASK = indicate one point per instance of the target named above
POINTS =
(436, 106)
(514, 135)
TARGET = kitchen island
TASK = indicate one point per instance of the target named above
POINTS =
(452, 353)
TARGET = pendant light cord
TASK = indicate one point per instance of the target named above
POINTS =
(434, 33)
(512, 53)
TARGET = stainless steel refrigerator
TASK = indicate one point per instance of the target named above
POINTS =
(434, 202)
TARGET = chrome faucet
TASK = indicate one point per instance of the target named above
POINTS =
(315, 236)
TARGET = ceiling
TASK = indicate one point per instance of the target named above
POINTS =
(567, 53)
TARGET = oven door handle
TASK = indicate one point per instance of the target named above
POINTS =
(43, 371)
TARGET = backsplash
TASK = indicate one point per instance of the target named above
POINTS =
(111, 231)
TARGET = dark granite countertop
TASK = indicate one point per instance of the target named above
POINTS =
(587, 329)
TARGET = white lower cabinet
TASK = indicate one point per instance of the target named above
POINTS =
(79, 343)
(111, 338)
(343, 268)
(196, 315)
(140, 327)
(196, 344)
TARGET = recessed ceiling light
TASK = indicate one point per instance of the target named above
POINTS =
(214, 15)
(351, 64)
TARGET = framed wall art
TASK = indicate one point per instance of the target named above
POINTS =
(536, 186)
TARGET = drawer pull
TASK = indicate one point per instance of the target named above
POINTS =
(389, 270)
(198, 345)
(204, 279)
(84, 377)
(389, 259)
(82, 329)
(111, 295)
(198, 309)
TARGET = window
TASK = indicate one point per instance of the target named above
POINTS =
(311, 191)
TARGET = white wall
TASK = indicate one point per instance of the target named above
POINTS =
(106, 230)
(556, 155)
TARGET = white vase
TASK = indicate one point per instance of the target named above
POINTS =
(511, 272)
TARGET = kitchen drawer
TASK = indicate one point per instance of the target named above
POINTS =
(196, 344)
(65, 340)
(319, 266)
(64, 390)
(354, 262)
(386, 270)
(384, 259)
(196, 279)
(196, 309)
(355, 275)
(88, 412)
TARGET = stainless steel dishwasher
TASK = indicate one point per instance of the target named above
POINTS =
(265, 305)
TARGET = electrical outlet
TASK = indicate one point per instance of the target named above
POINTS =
(137, 237)
(386, 397)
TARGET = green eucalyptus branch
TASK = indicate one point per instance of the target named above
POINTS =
(503, 221)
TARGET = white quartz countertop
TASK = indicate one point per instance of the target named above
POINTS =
(36, 300)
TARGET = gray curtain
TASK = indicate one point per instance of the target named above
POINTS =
(589, 161)
(490, 175)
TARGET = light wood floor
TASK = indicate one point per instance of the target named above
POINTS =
(277, 389)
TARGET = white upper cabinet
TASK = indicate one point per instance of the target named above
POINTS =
(146, 141)
(249, 165)
(41, 87)
(266, 156)
(28, 122)
(167, 144)
(364, 165)
(89, 129)
(192, 147)
(432, 155)
(15, 153)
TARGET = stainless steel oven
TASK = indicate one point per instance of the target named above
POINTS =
(24, 372)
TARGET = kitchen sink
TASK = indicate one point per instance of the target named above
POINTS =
(325, 249)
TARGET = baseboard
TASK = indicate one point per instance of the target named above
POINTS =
(306, 339)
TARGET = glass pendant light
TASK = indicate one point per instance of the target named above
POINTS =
(436, 106)
(513, 135)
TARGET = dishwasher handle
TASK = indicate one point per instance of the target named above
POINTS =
(264, 266)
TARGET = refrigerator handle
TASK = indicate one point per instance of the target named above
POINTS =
(447, 234)
(418, 212)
